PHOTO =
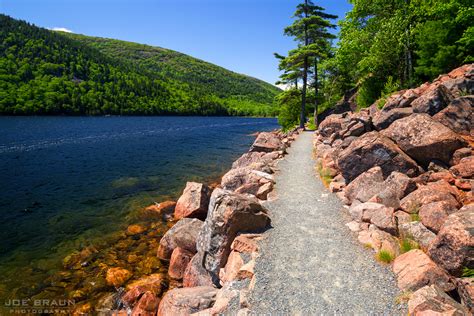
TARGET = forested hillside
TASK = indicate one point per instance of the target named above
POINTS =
(45, 72)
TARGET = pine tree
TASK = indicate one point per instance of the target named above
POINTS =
(311, 31)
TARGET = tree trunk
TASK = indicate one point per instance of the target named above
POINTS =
(316, 92)
(303, 93)
(305, 71)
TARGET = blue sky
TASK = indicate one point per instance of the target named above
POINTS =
(240, 35)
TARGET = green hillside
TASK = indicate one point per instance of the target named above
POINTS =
(46, 72)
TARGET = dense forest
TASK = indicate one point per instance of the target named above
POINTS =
(46, 72)
(383, 46)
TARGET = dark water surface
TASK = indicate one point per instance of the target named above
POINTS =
(67, 180)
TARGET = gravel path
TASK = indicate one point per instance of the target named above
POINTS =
(311, 263)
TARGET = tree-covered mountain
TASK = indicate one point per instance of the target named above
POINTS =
(46, 72)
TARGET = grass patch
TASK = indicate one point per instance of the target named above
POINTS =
(403, 297)
(415, 217)
(368, 246)
(324, 173)
(385, 256)
(414, 207)
(407, 244)
(467, 272)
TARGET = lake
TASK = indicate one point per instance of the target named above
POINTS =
(69, 181)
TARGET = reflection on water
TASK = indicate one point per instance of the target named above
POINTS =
(70, 184)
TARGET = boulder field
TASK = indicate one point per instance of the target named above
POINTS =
(211, 248)
(405, 174)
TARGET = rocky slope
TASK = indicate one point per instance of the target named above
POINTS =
(212, 246)
(405, 173)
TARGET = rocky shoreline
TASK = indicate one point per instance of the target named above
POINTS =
(208, 253)
(405, 172)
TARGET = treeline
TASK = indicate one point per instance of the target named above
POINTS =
(45, 72)
(383, 46)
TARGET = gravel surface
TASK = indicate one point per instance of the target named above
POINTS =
(310, 262)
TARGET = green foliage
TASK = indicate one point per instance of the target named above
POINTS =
(45, 72)
(369, 91)
(310, 125)
(389, 87)
(410, 41)
(467, 272)
(415, 217)
(289, 104)
(407, 244)
(385, 256)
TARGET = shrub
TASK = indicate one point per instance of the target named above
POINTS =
(407, 244)
(467, 272)
(369, 91)
(385, 256)
(289, 103)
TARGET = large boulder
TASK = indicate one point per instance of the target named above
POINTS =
(180, 259)
(267, 142)
(431, 300)
(366, 185)
(379, 240)
(465, 287)
(458, 115)
(186, 301)
(417, 232)
(383, 119)
(460, 86)
(432, 101)
(429, 193)
(193, 202)
(401, 99)
(236, 178)
(373, 149)
(395, 187)
(433, 215)
(464, 169)
(453, 247)
(229, 214)
(377, 214)
(424, 139)
(333, 123)
(414, 269)
(183, 234)
(195, 273)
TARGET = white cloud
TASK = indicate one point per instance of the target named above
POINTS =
(61, 29)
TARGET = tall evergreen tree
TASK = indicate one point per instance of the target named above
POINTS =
(311, 31)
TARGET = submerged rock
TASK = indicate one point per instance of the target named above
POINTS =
(117, 276)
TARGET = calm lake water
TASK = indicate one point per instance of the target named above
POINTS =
(67, 180)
